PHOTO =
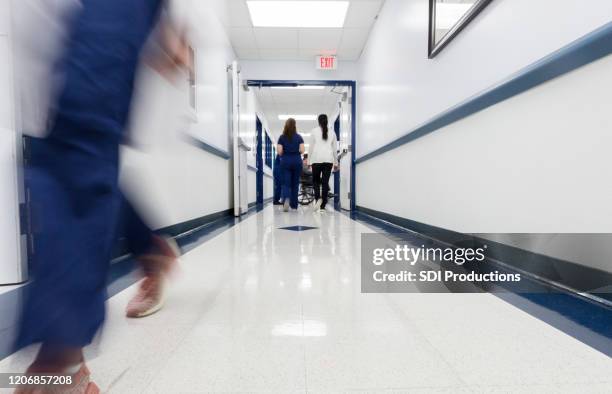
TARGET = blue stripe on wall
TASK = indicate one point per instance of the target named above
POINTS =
(585, 50)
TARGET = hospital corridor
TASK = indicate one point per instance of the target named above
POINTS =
(252, 196)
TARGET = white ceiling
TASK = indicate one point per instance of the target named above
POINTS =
(270, 43)
(275, 102)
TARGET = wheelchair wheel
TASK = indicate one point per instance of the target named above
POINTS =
(306, 195)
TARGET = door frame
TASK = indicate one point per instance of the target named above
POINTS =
(347, 83)
(239, 147)
(259, 162)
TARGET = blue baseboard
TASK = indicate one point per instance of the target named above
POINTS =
(254, 204)
(124, 270)
(175, 230)
(583, 318)
(564, 275)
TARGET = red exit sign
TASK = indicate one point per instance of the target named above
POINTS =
(327, 63)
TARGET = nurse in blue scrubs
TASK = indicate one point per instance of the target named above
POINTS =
(76, 199)
(290, 148)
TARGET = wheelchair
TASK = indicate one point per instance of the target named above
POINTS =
(306, 193)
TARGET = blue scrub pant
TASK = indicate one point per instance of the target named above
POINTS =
(291, 165)
(134, 231)
(73, 174)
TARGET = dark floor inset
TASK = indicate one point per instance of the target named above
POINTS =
(298, 228)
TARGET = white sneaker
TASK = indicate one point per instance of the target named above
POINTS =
(329, 208)
(286, 206)
(317, 205)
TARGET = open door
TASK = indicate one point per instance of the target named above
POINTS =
(346, 151)
(336, 188)
(240, 148)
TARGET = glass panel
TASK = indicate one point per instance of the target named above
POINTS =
(447, 18)
(448, 13)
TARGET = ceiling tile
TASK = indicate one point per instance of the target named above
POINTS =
(301, 44)
(320, 38)
(276, 38)
(278, 54)
(362, 13)
(311, 54)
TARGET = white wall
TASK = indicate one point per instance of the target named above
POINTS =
(250, 110)
(171, 180)
(534, 163)
(400, 88)
(174, 181)
(213, 54)
(295, 70)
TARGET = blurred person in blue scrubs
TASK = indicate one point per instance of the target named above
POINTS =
(73, 176)
(278, 180)
(290, 148)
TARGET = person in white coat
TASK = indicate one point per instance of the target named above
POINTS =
(323, 155)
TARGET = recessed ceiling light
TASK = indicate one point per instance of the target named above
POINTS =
(298, 117)
(301, 87)
(298, 13)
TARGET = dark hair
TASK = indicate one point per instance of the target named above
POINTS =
(323, 124)
(290, 129)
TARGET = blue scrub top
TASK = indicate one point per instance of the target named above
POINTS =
(291, 146)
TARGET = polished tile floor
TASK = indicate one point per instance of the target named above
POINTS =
(264, 309)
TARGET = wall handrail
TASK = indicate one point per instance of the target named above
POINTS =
(583, 51)
(209, 148)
